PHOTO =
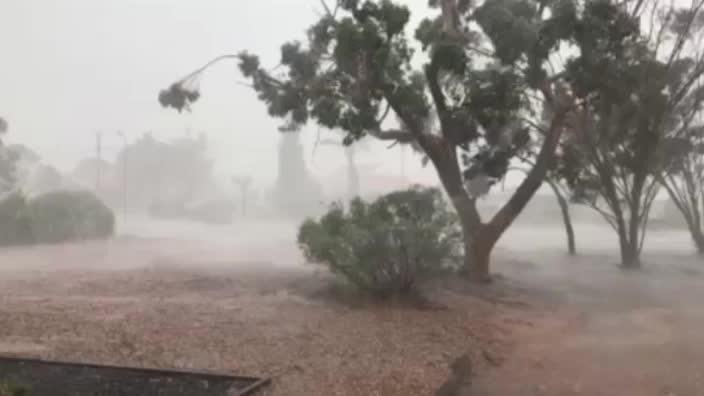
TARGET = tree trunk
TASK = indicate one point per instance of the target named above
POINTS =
(492, 231)
(695, 230)
(566, 219)
(629, 243)
(699, 240)
(695, 224)
(696, 227)
(569, 230)
(688, 208)
(480, 238)
(630, 256)
(478, 247)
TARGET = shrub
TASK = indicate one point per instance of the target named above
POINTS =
(8, 388)
(62, 216)
(385, 247)
(15, 228)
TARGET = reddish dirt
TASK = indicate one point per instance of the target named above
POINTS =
(600, 331)
(552, 325)
(245, 319)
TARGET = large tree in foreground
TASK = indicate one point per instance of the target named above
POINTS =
(483, 70)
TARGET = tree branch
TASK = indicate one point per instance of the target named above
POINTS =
(431, 75)
(207, 65)
(332, 14)
(384, 115)
(611, 219)
(398, 135)
(505, 216)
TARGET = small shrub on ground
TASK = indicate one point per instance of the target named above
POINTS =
(15, 228)
(62, 216)
(386, 246)
(8, 388)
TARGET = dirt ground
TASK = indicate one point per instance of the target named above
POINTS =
(551, 325)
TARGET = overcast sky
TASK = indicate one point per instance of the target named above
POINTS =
(74, 67)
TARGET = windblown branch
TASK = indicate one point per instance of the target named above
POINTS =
(393, 134)
(534, 178)
(201, 69)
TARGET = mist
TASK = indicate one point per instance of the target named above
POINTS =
(224, 235)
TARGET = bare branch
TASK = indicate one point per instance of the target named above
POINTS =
(682, 36)
(610, 218)
(332, 14)
(201, 69)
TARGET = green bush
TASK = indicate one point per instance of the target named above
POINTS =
(62, 216)
(15, 228)
(8, 388)
(385, 247)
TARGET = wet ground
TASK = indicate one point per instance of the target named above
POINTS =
(605, 331)
(238, 299)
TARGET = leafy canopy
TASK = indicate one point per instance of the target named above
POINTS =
(359, 64)
(640, 89)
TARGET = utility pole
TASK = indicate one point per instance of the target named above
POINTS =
(99, 161)
(243, 182)
(124, 173)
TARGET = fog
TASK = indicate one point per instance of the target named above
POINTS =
(204, 270)
(75, 68)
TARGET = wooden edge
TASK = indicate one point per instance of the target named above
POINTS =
(249, 390)
(255, 380)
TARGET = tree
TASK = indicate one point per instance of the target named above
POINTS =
(24, 162)
(484, 65)
(296, 191)
(683, 178)
(683, 149)
(243, 183)
(561, 195)
(175, 171)
(8, 158)
(353, 185)
(44, 179)
(633, 91)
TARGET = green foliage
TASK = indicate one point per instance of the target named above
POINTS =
(15, 228)
(8, 159)
(11, 388)
(177, 97)
(488, 70)
(386, 246)
(634, 97)
(63, 216)
(638, 82)
(358, 63)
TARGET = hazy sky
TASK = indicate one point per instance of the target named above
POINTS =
(74, 67)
